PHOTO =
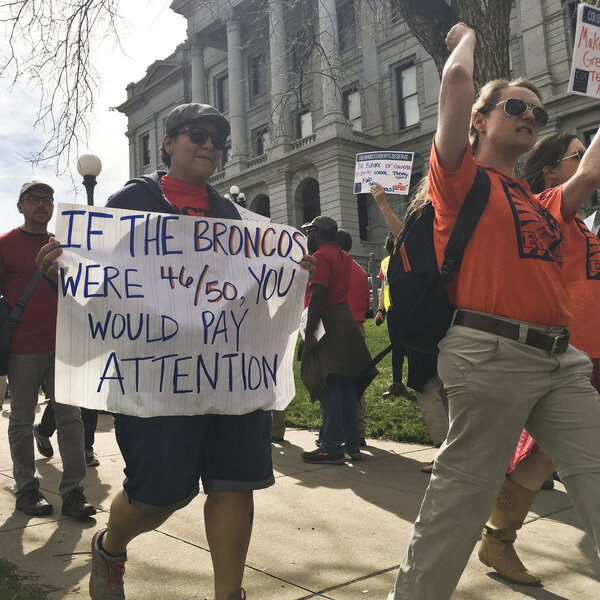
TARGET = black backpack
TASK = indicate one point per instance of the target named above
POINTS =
(418, 294)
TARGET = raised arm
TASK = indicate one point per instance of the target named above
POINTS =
(586, 179)
(456, 98)
(394, 222)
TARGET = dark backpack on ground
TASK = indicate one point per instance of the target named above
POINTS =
(417, 285)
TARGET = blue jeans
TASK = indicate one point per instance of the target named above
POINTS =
(339, 411)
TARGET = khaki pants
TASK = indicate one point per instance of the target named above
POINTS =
(495, 387)
(26, 372)
(434, 408)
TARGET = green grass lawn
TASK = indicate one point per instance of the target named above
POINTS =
(398, 419)
(16, 586)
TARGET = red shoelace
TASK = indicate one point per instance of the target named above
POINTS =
(114, 573)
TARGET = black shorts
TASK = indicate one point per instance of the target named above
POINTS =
(166, 457)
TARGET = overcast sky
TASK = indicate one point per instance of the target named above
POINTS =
(152, 34)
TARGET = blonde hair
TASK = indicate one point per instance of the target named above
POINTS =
(420, 196)
(488, 97)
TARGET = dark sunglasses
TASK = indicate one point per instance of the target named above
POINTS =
(578, 155)
(514, 107)
(199, 136)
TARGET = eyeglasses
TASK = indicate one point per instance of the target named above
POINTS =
(578, 155)
(35, 200)
(514, 107)
(198, 135)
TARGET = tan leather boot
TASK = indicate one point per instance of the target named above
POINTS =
(496, 549)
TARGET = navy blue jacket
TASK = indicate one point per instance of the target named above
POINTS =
(145, 193)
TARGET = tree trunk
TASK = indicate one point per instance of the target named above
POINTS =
(430, 21)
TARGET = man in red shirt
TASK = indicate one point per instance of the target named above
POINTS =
(359, 301)
(31, 362)
(332, 367)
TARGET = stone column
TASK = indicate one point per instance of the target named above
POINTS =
(237, 109)
(281, 115)
(330, 61)
(535, 49)
(371, 104)
(198, 75)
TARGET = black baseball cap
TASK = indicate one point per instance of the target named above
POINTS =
(187, 113)
(321, 222)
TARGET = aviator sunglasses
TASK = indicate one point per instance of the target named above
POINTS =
(199, 136)
(578, 155)
(514, 107)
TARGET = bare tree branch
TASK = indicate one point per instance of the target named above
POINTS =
(50, 45)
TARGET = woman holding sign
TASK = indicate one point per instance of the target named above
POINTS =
(552, 162)
(505, 361)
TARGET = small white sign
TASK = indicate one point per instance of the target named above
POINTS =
(319, 331)
(589, 222)
(390, 169)
(585, 68)
(248, 215)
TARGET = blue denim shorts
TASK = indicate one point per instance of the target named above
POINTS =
(166, 457)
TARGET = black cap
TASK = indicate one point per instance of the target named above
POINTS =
(186, 113)
(321, 222)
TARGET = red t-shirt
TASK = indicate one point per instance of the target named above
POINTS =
(581, 270)
(359, 295)
(35, 332)
(333, 272)
(512, 262)
(190, 199)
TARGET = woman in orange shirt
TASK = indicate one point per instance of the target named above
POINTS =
(505, 361)
(552, 162)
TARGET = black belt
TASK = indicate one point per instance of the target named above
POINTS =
(552, 344)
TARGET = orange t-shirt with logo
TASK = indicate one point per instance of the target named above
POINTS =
(581, 269)
(512, 263)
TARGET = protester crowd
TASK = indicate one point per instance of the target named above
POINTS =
(513, 376)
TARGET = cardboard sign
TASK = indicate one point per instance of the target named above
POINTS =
(174, 315)
(585, 69)
(390, 169)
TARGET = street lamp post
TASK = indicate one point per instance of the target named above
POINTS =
(89, 167)
(238, 197)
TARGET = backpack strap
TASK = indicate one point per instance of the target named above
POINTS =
(15, 313)
(468, 217)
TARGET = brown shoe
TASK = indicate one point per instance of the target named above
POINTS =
(34, 503)
(76, 505)
(427, 468)
(396, 389)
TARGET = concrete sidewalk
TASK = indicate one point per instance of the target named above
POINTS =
(335, 532)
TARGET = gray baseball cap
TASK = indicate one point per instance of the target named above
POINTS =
(187, 113)
(35, 183)
(321, 222)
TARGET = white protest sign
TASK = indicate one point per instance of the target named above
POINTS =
(248, 215)
(163, 314)
(589, 222)
(390, 169)
(585, 68)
